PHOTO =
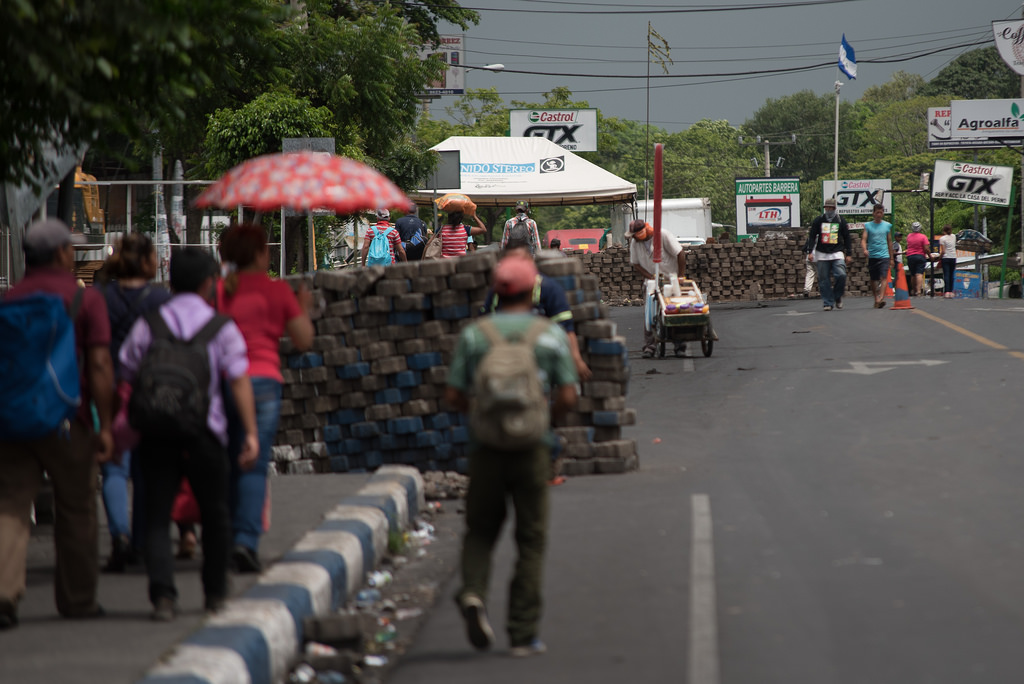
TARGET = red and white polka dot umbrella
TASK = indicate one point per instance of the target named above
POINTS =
(304, 181)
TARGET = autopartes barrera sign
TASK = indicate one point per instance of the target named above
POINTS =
(987, 118)
(766, 204)
(1009, 37)
(859, 196)
(974, 183)
(572, 129)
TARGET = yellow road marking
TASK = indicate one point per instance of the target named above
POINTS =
(974, 336)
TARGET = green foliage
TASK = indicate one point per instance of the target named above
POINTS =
(812, 118)
(125, 69)
(976, 75)
(232, 136)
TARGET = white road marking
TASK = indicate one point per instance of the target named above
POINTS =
(792, 312)
(873, 367)
(703, 661)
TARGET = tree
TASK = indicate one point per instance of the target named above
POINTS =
(976, 75)
(812, 118)
(73, 70)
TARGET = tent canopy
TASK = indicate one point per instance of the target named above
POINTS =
(497, 171)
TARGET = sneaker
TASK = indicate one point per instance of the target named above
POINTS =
(556, 481)
(807, 294)
(839, 304)
(245, 560)
(164, 610)
(478, 629)
(881, 304)
(648, 353)
(8, 614)
(535, 647)
(826, 308)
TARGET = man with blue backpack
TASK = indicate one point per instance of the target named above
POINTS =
(57, 371)
(382, 243)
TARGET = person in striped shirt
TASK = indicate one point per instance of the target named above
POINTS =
(455, 234)
(394, 238)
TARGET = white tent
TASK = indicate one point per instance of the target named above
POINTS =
(495, 172)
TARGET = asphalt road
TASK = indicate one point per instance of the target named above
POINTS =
(792, 521)
(821, 501)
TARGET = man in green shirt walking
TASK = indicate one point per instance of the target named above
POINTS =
(520, 473)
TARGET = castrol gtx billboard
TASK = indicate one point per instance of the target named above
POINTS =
(859, 196)
(572, 129)
(974, 183)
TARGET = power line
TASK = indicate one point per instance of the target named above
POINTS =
(676, 10)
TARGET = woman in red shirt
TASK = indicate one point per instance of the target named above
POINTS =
(918, 254)
(455, 234)
(264, 311)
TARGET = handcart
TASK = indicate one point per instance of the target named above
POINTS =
(680, 315)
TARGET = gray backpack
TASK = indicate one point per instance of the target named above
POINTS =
(508, 410)
(520, 230)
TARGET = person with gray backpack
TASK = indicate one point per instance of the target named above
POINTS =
(521, 228)
(511, 373)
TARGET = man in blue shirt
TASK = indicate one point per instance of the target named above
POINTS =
(876, 243)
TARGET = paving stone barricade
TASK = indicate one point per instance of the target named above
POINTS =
(741, 271)
(370, 391)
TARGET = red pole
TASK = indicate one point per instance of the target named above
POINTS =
(657, 203)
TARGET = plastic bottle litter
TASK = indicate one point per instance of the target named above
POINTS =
(366, 598)
(386, 633)
(318, 649)
(302, 674)
(379, 578)
(331, 677)
(375, 660)
(408, 613)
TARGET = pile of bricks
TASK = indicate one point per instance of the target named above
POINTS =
(370, 391)
(743, 271)
(619, 283)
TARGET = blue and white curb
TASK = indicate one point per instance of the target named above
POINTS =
(257, 635)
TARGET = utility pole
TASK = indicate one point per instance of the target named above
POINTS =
(767, 150)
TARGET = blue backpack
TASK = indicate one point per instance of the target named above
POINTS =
(380, 251)
(40, 391)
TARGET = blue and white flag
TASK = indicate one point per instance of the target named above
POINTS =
(847, 60)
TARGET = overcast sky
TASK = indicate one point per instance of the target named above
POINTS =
(606, 40)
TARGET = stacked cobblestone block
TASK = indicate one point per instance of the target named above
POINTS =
(743, 271)
(370, 391)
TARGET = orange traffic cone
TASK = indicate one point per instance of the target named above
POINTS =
(889, 292)
(902, 295)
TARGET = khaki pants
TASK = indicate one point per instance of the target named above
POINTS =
(72, 468)
(494, 478)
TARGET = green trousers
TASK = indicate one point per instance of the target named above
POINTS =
(494, 478)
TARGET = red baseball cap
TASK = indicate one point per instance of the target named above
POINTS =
(514, 275)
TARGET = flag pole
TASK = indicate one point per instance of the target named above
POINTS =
(835, 148)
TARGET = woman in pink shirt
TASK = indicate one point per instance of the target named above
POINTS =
(264, 311)
(918, 254)
(455, 234)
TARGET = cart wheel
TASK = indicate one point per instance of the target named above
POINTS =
(707, 343)
(661, 350)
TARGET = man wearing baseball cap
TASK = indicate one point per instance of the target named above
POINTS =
(496, 474)
(828, 246)
(522, 226)
(72, 464)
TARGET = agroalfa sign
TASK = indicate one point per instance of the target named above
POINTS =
(572, 129)
(987, 118)
(973, 183)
